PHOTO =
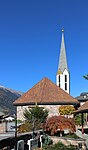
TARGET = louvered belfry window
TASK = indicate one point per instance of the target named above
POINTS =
(65, 82)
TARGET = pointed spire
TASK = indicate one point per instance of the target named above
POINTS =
(62, 60)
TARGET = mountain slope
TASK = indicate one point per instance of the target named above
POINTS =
(7, 96)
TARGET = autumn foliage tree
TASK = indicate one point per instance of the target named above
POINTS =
(66, 110)
(55, 123)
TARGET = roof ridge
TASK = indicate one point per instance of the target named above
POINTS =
(45, 92)
(42, 93)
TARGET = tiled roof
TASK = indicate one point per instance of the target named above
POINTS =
(83, 108)
(45, 92)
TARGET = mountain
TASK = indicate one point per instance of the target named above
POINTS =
(7, 97)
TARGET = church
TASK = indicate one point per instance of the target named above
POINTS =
(47, 94)
(63, 77)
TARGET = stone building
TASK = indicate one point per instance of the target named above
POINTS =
(45, 94)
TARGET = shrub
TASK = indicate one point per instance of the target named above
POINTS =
(27, 127)
(66, 110)
(78, 119)
(55, 123)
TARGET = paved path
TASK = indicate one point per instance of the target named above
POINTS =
(6, 135)
(83, 136)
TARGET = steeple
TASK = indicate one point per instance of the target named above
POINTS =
(63, 77)
(62, 60)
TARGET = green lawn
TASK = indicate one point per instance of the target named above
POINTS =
(71, 136)
(60, 146)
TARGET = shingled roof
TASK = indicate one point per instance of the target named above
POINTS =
(83, 97)
(83, 108)
(45, 92)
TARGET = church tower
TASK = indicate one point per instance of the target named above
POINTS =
(63, 76)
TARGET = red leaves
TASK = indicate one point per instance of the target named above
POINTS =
(55, 123)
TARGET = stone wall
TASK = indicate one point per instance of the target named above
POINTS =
(53, 110)
(68, 141)
(20, 110)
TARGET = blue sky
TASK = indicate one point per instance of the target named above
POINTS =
(30, 37)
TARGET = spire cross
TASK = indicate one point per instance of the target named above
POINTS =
(62, 30)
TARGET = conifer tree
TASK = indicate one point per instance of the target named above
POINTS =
(36, 115)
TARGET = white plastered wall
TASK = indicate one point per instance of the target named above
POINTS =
(62, 81)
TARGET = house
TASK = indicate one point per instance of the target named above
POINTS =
(83, 109)
(82, 98)
(45, 94)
